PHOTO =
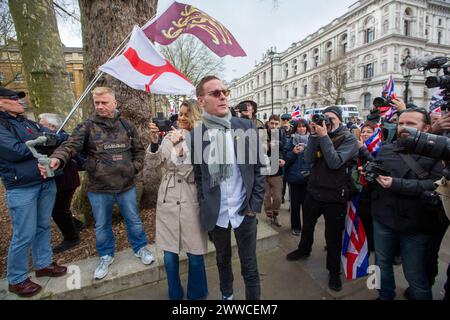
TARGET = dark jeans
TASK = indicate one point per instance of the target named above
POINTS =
(283, 192)
(197, 287)
(334, 214)
(432, 259)
(63, 216)
(246, 242)
(413, 250)
(297, 194)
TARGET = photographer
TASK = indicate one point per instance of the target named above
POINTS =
(333, 151)
(402, 215)
(248, 109)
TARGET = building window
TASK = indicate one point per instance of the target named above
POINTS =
(386, 26)
(407, 28)
(344, 78)
(305, 62)
(368, 71)
(316, 86)
(286, 71)
(295, 91)
(2, 77)
(384, 66)
(294, 66)
(329, 82)
(265, 97)
(440, 22)
(367, 101)
(427, 19)
(426, 33)
(369, 35)
(316, 57)
(287, 94)
(439, 37)
(305, 89)
(71, 77)
(257, 81)
(264, 78)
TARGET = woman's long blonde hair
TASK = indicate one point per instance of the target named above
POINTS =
(195, 113)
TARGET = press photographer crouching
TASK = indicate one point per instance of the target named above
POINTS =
(402, 212)
(333, 151)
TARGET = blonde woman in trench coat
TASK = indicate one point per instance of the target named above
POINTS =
(178, 213)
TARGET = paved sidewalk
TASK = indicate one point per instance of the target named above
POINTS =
(284, 280)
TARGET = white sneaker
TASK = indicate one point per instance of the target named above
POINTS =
(145, 255)
(103, 267)
(228, 297)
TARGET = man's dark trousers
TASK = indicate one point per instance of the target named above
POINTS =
(334, 214)
(246, 242)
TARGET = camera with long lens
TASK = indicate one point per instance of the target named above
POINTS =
(373, 170)
(426, 144)
(320, 119)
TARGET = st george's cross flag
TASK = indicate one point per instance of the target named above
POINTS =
(141, 66)
(180, 18)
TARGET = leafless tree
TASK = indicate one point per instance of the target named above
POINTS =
(333, 83)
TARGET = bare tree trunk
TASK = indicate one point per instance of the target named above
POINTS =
(105, 24)
(42, 55)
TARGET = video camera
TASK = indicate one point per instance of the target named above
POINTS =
(379, 102)
(373, 170)
(320, 119)
(434, 64)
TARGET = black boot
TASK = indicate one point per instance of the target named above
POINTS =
(296, 255)
(335, 282)
(66, 245)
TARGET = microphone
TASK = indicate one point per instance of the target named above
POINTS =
(426, 63)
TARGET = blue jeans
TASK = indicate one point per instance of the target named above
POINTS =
(102, 207)
(413, 250)
(197, 284)
(30, 209)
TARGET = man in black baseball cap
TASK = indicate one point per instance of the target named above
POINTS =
(30, 198)
(12, 95)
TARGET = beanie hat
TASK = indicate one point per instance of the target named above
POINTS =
(336, 110)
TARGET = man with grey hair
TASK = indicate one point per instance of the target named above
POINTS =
(66, 184)
(114, 155)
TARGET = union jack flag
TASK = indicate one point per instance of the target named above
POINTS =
(355, 253)
(388, 92)
(373, 144)
(389, 88)
(296, 114)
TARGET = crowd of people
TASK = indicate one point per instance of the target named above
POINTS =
(207, 191)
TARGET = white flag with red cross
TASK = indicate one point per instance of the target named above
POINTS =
(141, 66)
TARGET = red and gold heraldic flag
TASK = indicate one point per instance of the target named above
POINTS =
(182, 18)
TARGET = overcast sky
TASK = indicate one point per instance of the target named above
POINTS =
(256, 25)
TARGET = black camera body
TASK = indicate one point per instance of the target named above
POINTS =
(373, 170)
(241, 107)
(379, 102)
(320, 119)
(163, 124)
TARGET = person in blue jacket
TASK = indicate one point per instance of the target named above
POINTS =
(30, 198)
(297, 171)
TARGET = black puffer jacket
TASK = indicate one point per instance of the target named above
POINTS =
(401, 207)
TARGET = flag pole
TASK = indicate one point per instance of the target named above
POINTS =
(98, 75)
(116, 52)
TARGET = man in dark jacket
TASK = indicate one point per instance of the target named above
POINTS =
(231, 188)
(401, 215)
(30, 198)
(274, 183)
(333, 151)
(114, 155)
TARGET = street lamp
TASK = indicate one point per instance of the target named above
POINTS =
(271, 54)
(407, 76)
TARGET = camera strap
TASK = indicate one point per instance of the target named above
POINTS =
(414, 166)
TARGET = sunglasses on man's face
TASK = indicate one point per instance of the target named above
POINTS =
(218, 93)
